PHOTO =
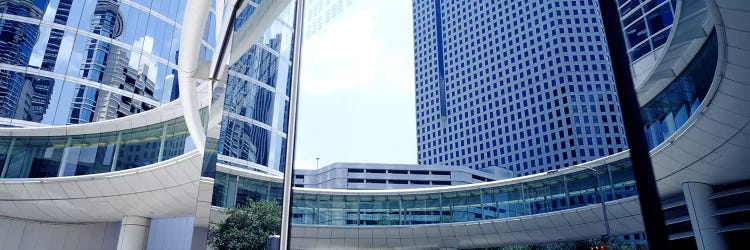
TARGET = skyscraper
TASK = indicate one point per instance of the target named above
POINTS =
(108, 64)
(71, 62)
(525, 85)
(16, 42)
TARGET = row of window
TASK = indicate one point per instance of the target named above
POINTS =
(397, 171)
(395, 181)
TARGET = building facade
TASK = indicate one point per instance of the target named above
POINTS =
(646, 26)
(700, 164)
(375, 176)
(524, 85)
(256, 107)
(90, 92)
(74, 62)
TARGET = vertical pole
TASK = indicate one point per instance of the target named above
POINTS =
(481, 204)
(604, 208)
(440, 209)
(286, 205)
(523, 202)
(611, 181)
(567, 195)
(65, 156)
(6, 164)
(401, 211)
(118, 141)
(648, 195)
(162, 142)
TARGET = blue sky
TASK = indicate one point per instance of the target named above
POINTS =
(357, 88)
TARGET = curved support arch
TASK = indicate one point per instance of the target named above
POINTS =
(265, 14)
(190, 44)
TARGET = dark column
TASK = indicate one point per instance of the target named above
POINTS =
(648, 195)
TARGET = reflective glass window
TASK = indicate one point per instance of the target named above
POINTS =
(636, 33)
(32, 157)
(659, 19)
(139, 147)
(248, 99)
(86, 154)
(244, 141)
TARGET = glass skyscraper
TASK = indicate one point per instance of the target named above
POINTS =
(524, 85)
(72, 62)
(256, 105)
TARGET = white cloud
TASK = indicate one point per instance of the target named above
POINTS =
(343, 56)
(40, 47)
(146, 43)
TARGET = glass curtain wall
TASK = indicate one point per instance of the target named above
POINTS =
(53, 156)
(70, 62)
(551, 194)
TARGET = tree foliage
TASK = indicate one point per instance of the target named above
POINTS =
(246, 227)
(617, 244)
(387, 220)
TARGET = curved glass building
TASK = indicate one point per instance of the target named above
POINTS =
(646, 26)
(74, 62)
(256, 105)
(91, 107)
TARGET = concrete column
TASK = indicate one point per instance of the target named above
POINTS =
(133, 233)
(701, 209)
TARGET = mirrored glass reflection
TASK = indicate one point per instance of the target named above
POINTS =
(252, 140)
(111, 45)
(84, 154)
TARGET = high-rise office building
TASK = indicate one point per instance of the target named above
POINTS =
(256, 106)
(16, 42)
(525, 85)
(72, 62)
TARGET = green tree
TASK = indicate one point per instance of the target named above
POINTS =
(246, 227)
(387, 220)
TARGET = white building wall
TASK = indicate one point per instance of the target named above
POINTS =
(164, 234)
(170, 233)
(27, 235)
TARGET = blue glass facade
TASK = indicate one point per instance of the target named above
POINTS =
(71, 62)
(256, 105)
(671, 108)
(646, 24)
(501, 201)
(525, 85)
(52, 156)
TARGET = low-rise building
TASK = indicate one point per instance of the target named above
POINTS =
(345, 175)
